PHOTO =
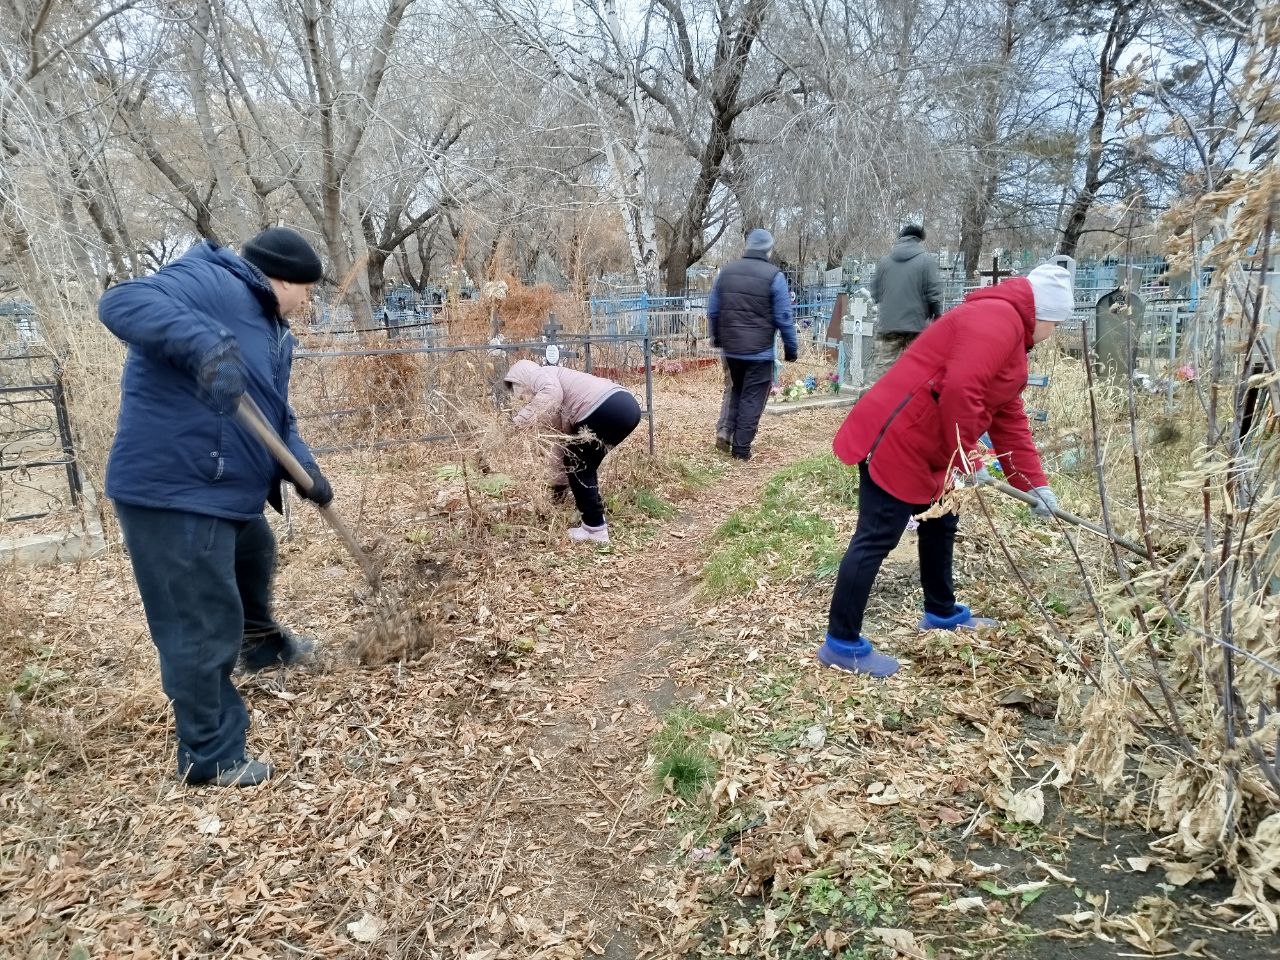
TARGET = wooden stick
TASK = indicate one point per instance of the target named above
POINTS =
(1031, 500)
(252, 419)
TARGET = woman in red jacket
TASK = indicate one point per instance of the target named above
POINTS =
(961, 378)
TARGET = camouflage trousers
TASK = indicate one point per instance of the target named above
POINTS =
(889, 347)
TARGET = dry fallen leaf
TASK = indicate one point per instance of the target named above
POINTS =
(904, 941)
(1054, 872)
(966, 905)
(365, 930)
(209, 825)
(1026, 806)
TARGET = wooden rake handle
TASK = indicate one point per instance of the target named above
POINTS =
(251, 418)
(1031, 500)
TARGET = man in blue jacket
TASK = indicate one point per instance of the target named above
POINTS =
(190, 485)
(749, 305)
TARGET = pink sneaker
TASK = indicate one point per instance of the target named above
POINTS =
(585, 534)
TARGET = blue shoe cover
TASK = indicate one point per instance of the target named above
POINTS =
(962, 619)
(856, 656)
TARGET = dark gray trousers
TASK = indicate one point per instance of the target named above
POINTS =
(743, 404)
(206, 590)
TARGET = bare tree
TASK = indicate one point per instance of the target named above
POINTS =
(1105, 157)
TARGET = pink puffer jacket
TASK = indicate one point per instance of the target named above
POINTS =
(561, 398)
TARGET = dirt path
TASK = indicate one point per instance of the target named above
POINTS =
(588, 800)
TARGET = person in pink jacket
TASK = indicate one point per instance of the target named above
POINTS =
(594, 413)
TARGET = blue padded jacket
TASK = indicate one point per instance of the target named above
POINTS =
(173, 450)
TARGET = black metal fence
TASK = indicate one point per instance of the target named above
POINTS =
(38, 474)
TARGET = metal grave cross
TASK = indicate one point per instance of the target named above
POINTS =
(549, 333)
(995, 273)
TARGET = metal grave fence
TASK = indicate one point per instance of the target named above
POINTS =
(38, 473)
(357, 395)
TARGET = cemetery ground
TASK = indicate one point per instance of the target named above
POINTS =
(626, 752)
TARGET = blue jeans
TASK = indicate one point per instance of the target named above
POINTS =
(882, 518)
(206, 589)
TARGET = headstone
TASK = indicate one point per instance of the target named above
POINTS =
(1117, 325)
(838, 310)
(1066, 262)
(550, 333)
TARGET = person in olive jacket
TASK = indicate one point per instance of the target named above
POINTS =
(189, 484)
(908, 293)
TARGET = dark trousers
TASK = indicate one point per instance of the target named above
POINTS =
(728, 408)
(206, 589)
(743, 402)
(882, 518)
(606, 427)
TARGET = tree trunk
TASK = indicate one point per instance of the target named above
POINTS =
(375, 272)
(973, 222)
(737, 35)
(676, 268)
(976, 207)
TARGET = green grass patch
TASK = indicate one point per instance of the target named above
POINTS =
(788, 532)
(649, 503)
(699, 474)
(682, 762)
(685, 770)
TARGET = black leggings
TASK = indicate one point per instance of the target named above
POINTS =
(882, 518)
(608, 425)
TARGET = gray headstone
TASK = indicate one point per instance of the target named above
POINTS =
(1066, 262)
(1117, 327)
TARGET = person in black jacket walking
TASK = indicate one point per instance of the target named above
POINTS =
(749, 305)
(907, 289)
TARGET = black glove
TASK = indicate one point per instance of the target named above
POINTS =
(790, 354)
(221, 376)
(321, 493)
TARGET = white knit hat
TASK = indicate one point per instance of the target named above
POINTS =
(1051, 287)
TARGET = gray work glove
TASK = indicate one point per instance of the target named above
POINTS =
(983, 478)
(1048, 502)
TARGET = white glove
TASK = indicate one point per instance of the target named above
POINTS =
(1048, 502)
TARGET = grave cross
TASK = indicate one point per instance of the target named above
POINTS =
(995, 273)
(551, 356)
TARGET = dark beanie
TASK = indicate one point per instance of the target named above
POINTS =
(912, 230)
(283, 254)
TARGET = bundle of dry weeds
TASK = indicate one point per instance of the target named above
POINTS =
(1176, 695)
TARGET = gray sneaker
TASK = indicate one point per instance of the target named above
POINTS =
(293, 650)
(297, 648)
(247, 773)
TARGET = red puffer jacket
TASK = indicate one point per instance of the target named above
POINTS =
(962, 377)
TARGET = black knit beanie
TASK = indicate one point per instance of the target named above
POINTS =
(283, 254)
